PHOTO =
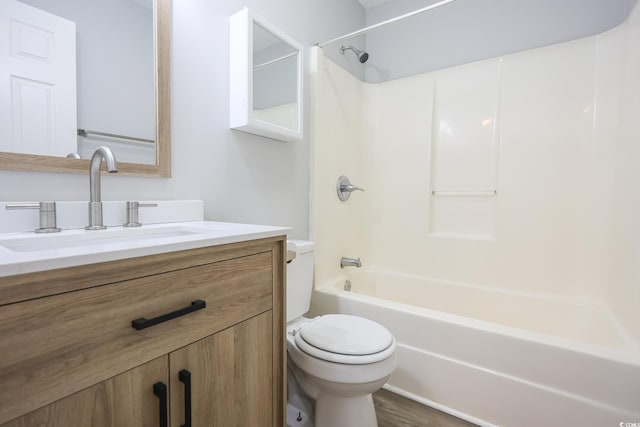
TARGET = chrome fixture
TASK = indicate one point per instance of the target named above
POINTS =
(350, 262)
(95, 199)
(361, 54)
(344, 188)
(347, 285)
(47, 215)
(132, 213)
(73, 156)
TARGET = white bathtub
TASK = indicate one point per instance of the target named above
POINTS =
(498, 358)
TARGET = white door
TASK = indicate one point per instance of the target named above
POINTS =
(37, 81)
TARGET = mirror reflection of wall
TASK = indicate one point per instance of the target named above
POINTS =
(275, 79)
(115, 73)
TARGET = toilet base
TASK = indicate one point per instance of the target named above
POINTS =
(297, 418)
(342, 411)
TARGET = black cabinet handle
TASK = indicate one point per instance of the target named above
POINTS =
(143, 323)
(185, 377)
(160, 390)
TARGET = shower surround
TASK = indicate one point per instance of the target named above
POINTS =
(515, 177)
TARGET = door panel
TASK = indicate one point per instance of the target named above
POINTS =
(126, 400)
(37, 81)
(231, 377)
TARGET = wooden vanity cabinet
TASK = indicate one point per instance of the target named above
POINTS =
(73, 358)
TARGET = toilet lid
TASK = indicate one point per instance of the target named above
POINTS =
(344, 334)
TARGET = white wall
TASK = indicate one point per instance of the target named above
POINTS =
(623, 251)
(337, 136)
(240, 177)
(553, 130)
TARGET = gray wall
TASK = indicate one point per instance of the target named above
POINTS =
(240, 177)
(471, 30)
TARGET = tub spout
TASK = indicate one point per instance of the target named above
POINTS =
(350, 262)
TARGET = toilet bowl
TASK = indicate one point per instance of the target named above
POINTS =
(337, 360)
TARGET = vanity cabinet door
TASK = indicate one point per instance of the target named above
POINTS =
(126, 400)
(231, 377)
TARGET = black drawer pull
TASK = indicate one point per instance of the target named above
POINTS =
(143, 323)
(185, 377)
(160, 390)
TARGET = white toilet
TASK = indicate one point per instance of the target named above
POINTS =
(337, 360)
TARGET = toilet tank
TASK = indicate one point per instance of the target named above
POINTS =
(299, 278)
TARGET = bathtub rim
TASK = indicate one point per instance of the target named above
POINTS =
(629, 355)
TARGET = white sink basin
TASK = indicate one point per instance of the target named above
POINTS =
(84, 238)
(30, 252)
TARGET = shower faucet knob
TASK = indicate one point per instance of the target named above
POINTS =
(349, 188)
(344, 188)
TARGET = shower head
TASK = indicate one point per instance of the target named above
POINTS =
(361, 54)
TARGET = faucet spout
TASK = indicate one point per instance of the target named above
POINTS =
(350, 262)
(94, 170)
(95, 198)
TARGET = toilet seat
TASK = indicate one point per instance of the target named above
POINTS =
(345, 339)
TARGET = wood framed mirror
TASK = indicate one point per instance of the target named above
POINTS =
(160, 87)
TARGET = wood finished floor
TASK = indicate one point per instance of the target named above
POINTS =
(393, 410)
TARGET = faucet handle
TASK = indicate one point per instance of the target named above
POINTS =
(132, 213)
(350, 188)
(47, 214)
(344, 188)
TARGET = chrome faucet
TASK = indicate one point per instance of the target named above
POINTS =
(95, 199)
(350, 262)
(344, 188)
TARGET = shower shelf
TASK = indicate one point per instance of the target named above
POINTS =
(464, 193)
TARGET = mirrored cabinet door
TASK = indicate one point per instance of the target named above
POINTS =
(266, 79)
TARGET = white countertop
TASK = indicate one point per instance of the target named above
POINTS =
(28, 252)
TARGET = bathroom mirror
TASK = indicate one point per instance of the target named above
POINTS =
(115, 61)
(265, 79)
